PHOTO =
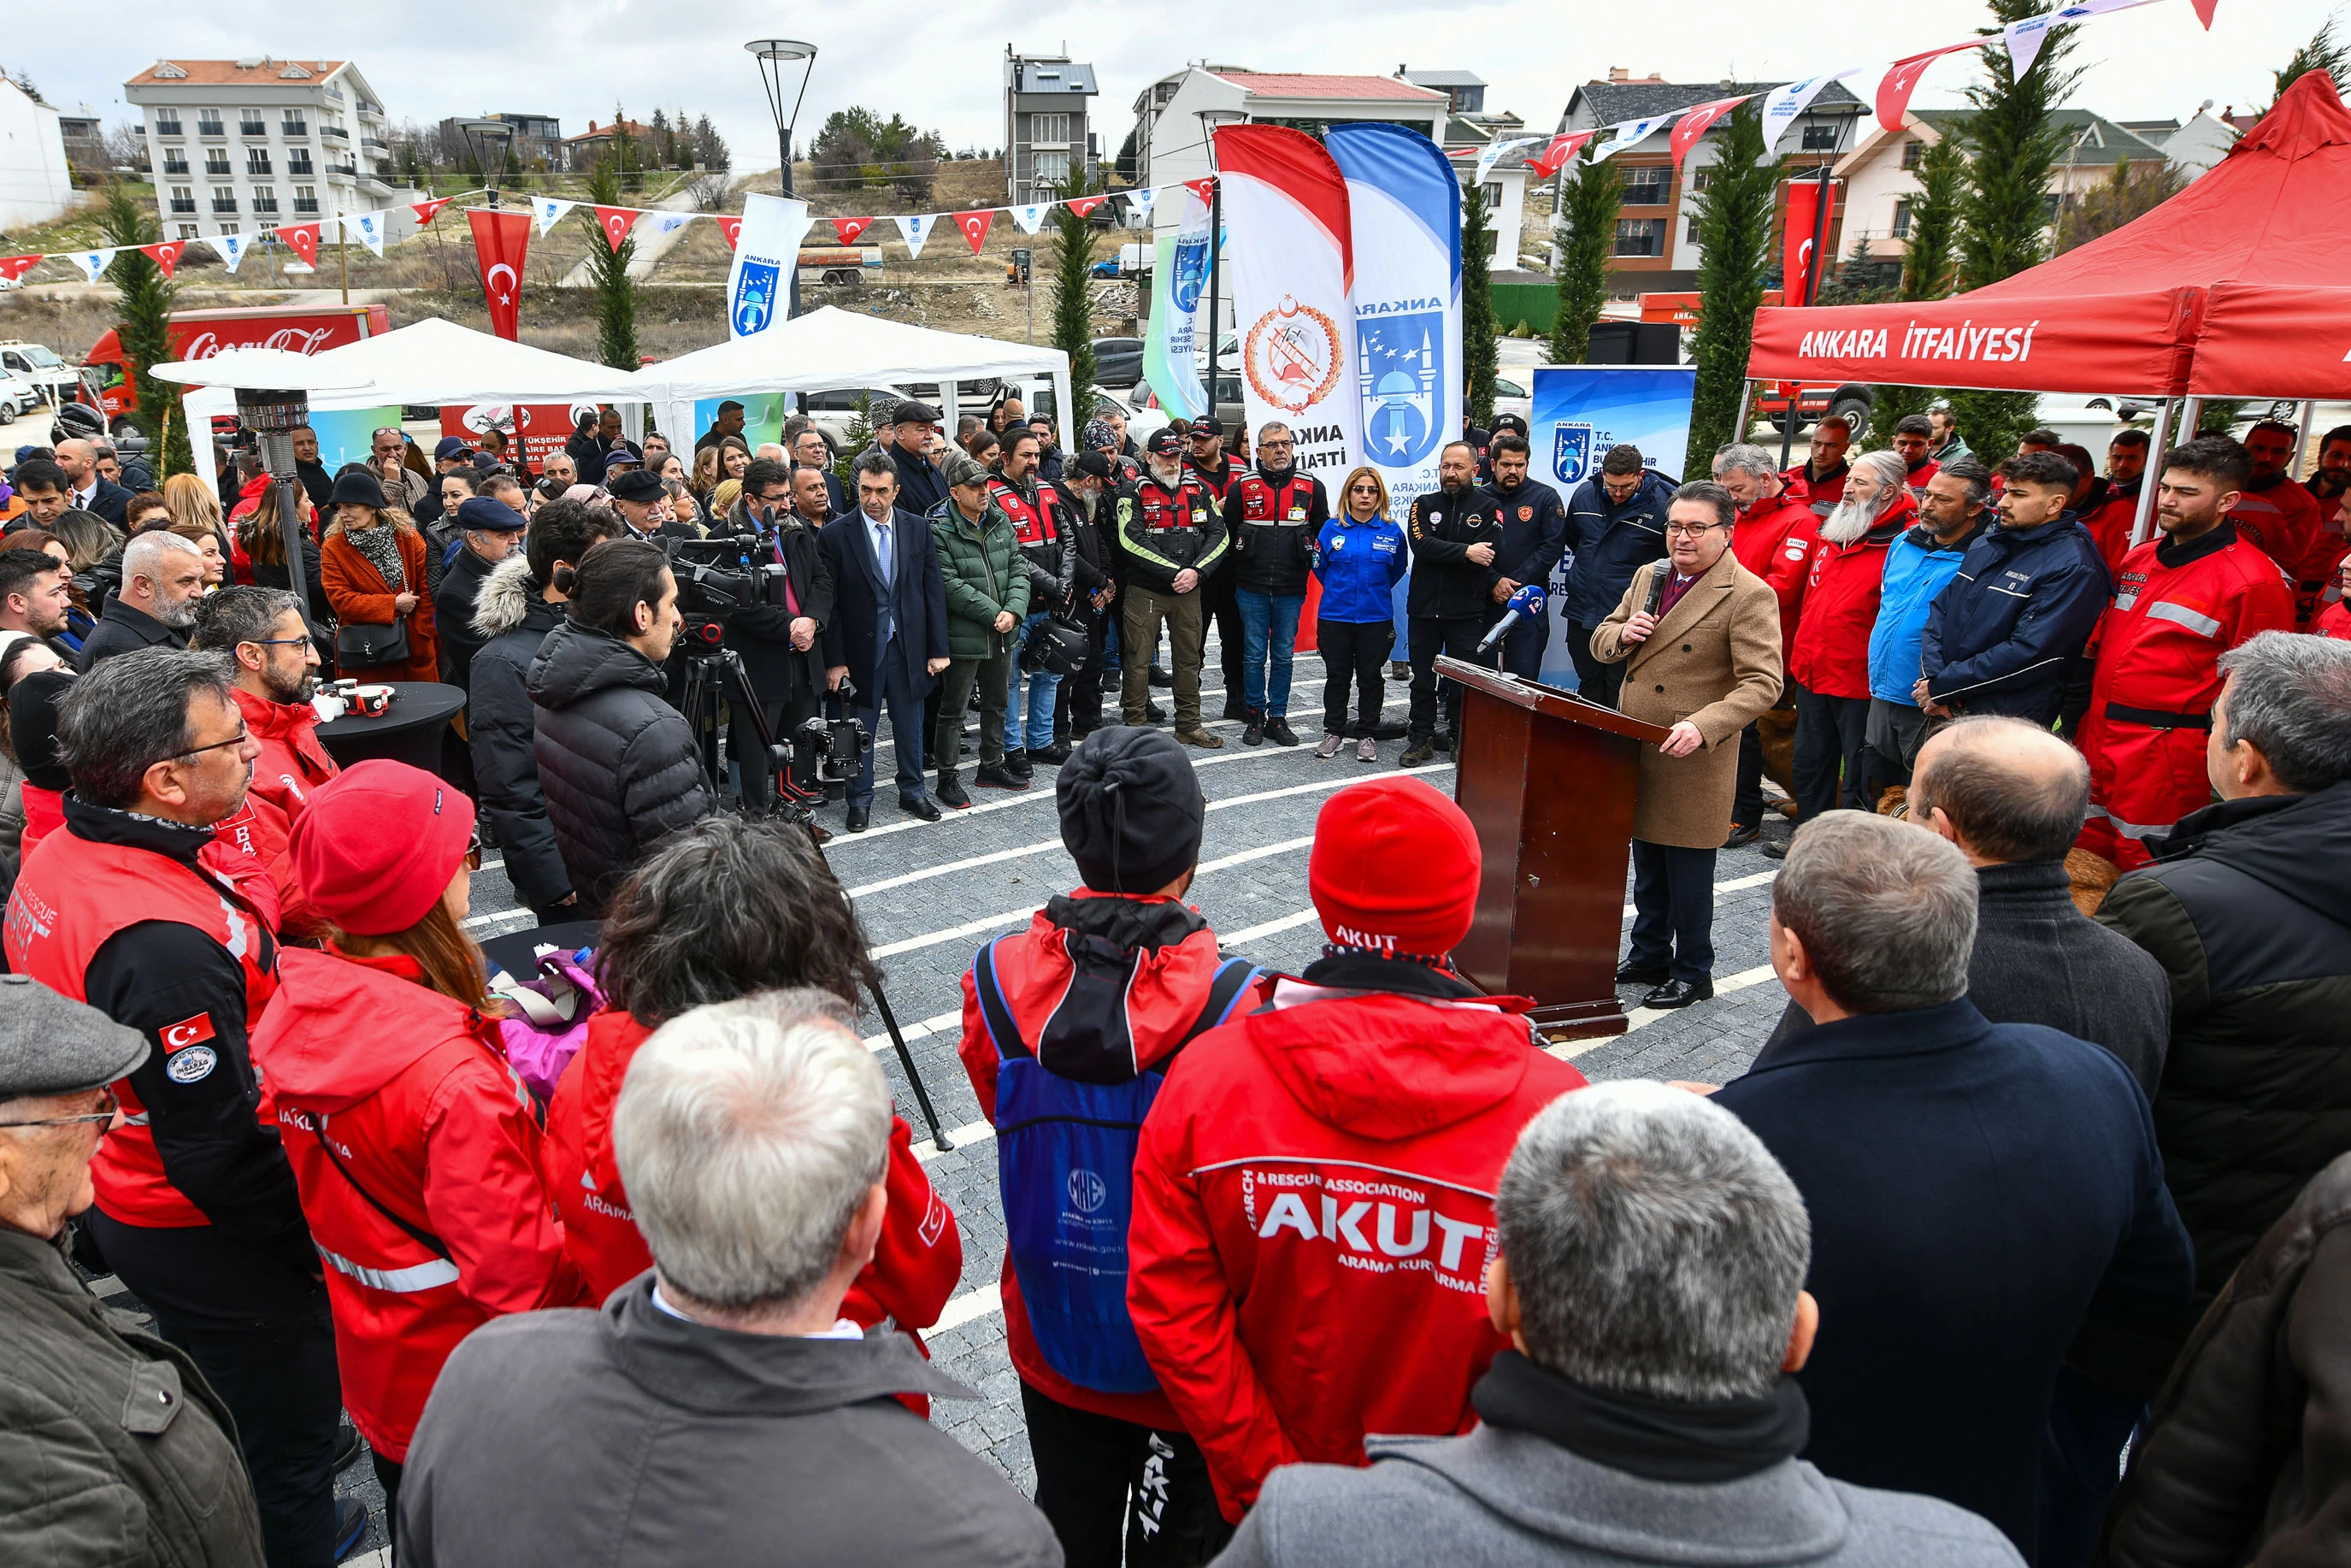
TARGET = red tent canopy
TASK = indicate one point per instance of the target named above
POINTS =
(2246, 265)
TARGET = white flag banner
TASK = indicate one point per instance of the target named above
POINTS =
(367, 228)
(664, 222)
(1497, 152)
(1032, 216)
(1138, 205)
(232, 248)
(548, 211)
(915, 230)
(1630, 133)
(93, 263)
(1285, 203)
(2024, 38)
(1783, 104)
(767, 250)
(1179, 282)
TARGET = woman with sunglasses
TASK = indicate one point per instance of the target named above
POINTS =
(1360, 558)
(414, 1148)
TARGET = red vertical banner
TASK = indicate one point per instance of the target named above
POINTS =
(501, 241)
(1807, 229)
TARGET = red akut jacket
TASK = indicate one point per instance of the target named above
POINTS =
(2110, 521)
(1830, 653)
(915, 1264)
(2284, 521)
(423, 1114)
(2335, 621)
(1774, 540)
(292, 764)
(1314, 1217)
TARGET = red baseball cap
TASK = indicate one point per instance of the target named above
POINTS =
(378, 844)
(1395, 868)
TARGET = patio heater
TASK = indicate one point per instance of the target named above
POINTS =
(1210, 119)
(489, 141)
(776, 57)
(273, 391)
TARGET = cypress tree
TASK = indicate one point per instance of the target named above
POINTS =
(144, 328)
(608, 272)
(1927, 263)
(1481, 360)
(1073, 260)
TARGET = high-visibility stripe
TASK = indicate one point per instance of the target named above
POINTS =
(2132, 830)
(398, 1281)
(2181, 615)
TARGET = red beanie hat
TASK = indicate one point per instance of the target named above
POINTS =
(1395, 868)
(378, 844)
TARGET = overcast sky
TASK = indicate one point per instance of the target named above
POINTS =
(427, 58)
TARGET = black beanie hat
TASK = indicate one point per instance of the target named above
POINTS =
(1132, 811)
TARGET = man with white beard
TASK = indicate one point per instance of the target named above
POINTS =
(1829, 664)
(1170, 533)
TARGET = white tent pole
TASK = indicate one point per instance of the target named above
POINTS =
(2143, 515)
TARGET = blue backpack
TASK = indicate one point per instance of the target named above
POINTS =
(1066, 1136)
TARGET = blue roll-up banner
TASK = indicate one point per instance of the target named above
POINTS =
(1582, 411)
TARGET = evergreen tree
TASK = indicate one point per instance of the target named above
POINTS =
(1586, 232)
(2012, 142)
(1481, 360)
(2324, 52)
(1734, 235)
(1073, 259)
(1927, 264)
(608, 272)
(628, 158)
(143, 328)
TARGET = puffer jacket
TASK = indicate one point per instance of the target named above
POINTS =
(618, 766)
(2246, 1458)
(1611, 542)
(980, 563)
(418, 1161)
(2245, 911)
(510, 620)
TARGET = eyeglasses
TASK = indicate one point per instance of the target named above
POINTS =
(1689, 531)
(473, 848)
(108, 1107)
(239, 738)
(274, 642)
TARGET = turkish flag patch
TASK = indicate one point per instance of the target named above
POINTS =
(187, 1031)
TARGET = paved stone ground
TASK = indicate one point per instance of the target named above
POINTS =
(930, 892)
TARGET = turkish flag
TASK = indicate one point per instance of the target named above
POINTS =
(1556, 155)
(616, 223)
(974, 228)
(2204, 12)
(848, 230)
(501, 241)
(13, 267)
(1199, 187)
(1695, 123)
(730, 225)
(1901, 79)
(1806, 217)
(1084, 205)
(166, 255)
(302, 239)
(428, 209)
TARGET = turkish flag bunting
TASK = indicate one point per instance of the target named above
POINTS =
(974, 228)
(1084, 205)
(429, 209)
(730, 225)
(13, 267)
(1199, 187)
(1695, 123)
(1901, 80)
(166, 255)
(1556, 155)
(501, 241)
(2204, 12)
(302, 239)
(616, 223)
(848, 230)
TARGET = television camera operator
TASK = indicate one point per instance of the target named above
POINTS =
(779, 632)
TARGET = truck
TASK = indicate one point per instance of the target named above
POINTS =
(105, 380)
(841, 263)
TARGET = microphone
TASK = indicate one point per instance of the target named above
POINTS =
(1657, 591)
(1527, 603)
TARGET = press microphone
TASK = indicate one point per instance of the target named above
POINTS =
(1656, 591)
(1526, 604)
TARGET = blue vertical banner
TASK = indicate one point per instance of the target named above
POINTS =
(1582, 411)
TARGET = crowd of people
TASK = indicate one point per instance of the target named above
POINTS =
(1342, 1266)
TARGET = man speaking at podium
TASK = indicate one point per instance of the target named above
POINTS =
(1698, 635)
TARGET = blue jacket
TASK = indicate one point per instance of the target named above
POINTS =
(1976, 1189)
(1916, 570)
(1359, 564)
(1999, 636)
(1611, 542)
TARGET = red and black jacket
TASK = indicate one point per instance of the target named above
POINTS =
(1273, 522)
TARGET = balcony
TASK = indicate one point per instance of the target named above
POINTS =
(217, 168)
(297, 128)
(335, 132)
(210, 128)
(257, 165)
(371, 141)
(334, 93)
(298, 161)
(253, 127)
(224, 204)
(184, 204)
(264, 204)
(173, 165)
(167, 128)
(374, 109)
(306, 204)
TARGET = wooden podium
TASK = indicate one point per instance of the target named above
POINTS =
(1549, 781)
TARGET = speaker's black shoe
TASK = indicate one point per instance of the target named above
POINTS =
(1628, 973)
(922, 806)
(858, 817)
(1678, 994)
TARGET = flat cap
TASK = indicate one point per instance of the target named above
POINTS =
(636, 485)
(913, 413)
(963, 469)
(50, 1045)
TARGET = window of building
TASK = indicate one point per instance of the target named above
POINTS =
(1912, 150)
(1690, 234)
(1649, 186)
(1492, 190)
(1049, 129)
(295, 124)
(167, 124)
(250, 123)
(1902, 216)
(265, 199)
(306, 198)
(188, 231)
(298, 161)
(1701, 178)
(1640, 237)
(1819, 138)
(224, 198)
(256, 160)
(1051, 168)
(183, 199)
(225, 228)
(175, 161)
(208, 122)
(215, 160)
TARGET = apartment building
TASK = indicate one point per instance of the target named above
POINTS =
(237, 146)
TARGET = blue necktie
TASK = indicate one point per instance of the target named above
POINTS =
(882, 559)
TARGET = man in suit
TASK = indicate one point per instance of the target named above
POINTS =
(888, 634)
(92, 491)
(1700, 654)
(1976, 1189)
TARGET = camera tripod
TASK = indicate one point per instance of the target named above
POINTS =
(715, 676)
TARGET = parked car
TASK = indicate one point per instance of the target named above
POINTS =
(833, 411)
(1510, 397)
(1118, 362)
(1852, 400)
(18, 396)
(1143, 416)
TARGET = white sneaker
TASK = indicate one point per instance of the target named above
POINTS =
(1330, 748)
(1367, 750)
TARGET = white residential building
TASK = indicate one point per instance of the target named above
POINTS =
(2194, 148)
(35, 183)
(1171, 144)
(237, 146)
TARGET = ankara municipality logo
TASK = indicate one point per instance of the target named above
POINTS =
(1402, 361)
(1570, 453)
(1191, 268)
(755, 295)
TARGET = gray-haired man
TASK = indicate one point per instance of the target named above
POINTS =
(1650, 1274)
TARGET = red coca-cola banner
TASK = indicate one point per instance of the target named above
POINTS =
(1808, 231)
(501, 242)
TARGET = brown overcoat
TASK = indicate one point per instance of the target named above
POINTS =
(1714, 660)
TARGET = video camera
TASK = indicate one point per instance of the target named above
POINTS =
(707, 594)
(830, 750)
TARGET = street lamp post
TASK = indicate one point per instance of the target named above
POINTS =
(1210, 119)
(776, 57)
(488, 140)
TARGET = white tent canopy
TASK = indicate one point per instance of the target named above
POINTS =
(433, 362)
(833, 348)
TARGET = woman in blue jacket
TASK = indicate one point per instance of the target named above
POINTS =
(1359, 557)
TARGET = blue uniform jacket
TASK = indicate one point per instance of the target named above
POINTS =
(1611, 542)
(2023, 602)
(1359, 565)
(1917, 568)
